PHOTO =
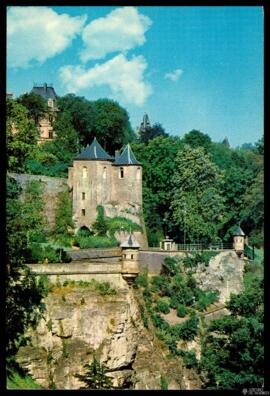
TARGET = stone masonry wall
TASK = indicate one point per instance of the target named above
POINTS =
(52, 186)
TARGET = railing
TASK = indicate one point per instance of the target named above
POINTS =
(203, 246)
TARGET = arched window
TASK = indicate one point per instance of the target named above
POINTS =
(84, 172)
(83, 212)
(105, 172)
(138, 174)
(121, 173)
(131, 257)
(83, 196)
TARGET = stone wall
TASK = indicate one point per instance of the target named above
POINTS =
(85, 271)
(52, 187)
(153, 260)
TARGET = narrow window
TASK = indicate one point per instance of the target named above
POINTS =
(138, 174)
(50, 134)
(104, 172)
(84, 172)
(132, 257)
(121, 173)
(83, 212)
(83, 196)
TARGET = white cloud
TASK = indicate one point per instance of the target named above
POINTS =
(38, 33)
(174, 75)
(121, 30)
(124, 77)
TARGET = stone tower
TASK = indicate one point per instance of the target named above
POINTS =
(96, 179)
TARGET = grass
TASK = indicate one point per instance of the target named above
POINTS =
(17, 381)
(103, 288)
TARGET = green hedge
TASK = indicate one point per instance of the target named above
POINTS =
(88, 242)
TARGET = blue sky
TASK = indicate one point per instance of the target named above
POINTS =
(187, 67)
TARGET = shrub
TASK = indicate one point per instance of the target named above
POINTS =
(91, 242)
(40, 253)
(163, 306)
(105, 289)
(100, 226)
(169, 267)
(163, 383)
(206, 299)
(181, 311)
(142, 278)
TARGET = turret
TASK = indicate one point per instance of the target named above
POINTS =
(239, 241)
(127, 173)
(130, 258)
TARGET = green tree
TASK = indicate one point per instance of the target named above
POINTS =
(21, 136)
(100, 226)
(197, 201)
(152, 132)
(63, 219)
(196, 139)
(83, 115)
(95, 376)
(233, 350)
(158, 159)
(35, 105)
(23, 294)
(112, 127)
(32, 212)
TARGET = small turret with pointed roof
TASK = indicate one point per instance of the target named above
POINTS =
(94, 152)
(130, 258)
(126, 158)
(239, 240)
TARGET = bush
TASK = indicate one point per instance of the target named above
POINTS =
(163, 306)
(142, 278)
(186, 331)
(115, 224)
(206, 299)
(38, 253)
(91, 242)
(181, 311)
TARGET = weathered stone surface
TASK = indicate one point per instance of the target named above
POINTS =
(224, 273)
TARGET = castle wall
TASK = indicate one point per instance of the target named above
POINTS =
(129, 188)
(52, 187)
(91, 182)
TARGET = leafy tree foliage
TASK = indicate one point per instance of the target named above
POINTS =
(35, 105)
(23, 294)
(21, 135)
(53, 158)
(82, 114)
(112, 127)
(197, 203)
(95, 376)
(196, 139)
(232, 351)
(63, 219)
(158, 159)
(100, 226)
(152, 132)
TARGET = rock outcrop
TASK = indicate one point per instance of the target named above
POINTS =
(80, 323)
(224, 273)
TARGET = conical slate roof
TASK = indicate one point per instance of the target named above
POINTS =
(130, 242)
(127, 157)
(94, 152)
(239, 232)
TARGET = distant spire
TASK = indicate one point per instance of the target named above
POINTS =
(145, 123)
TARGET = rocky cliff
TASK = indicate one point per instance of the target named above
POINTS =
(80, 322)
